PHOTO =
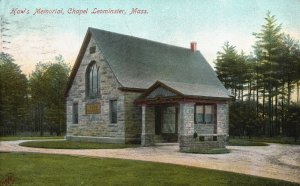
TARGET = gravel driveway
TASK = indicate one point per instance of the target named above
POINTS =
(274, 161)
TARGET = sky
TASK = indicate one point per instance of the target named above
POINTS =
(32, 38)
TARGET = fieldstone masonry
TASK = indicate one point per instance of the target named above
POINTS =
(222, 119)
(136, 123)
(95, 127)
(148, 125)
(186, 119)
(205, 138)
(133, 118)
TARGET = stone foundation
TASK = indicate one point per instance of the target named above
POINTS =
(96, 139)
(201, 143)
(103, 139)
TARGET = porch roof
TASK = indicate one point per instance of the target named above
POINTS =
(167, 91)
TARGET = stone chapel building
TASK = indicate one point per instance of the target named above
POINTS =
(124, 89)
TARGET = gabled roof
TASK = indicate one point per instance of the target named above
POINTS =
(202, 90)
(138, 63)
(176, 89)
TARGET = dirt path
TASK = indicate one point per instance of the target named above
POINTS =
(275, 161)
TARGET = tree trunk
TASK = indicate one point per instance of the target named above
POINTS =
(289, 88)
(270, 112)
(263, 111)
(276, 112)
(298, 86)
(242, 94)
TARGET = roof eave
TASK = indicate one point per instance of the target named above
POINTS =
(75, 68)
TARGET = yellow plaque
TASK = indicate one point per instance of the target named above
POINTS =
(92, 108)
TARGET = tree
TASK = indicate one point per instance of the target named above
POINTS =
(13, 96)
(268, 46)
(266, 78)
(47, 84)
(293, 118)
(232, 69)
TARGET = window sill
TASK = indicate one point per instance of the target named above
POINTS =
(92, 97)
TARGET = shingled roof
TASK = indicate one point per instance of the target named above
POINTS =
(138, 63)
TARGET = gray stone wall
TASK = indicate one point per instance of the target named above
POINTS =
(186, 124)
(204, 128)
(133, 118)
(205, 139)
(222, 119)
(148, 132)
(222, 122)
(186, 119)
(96, 125)
(195, 145)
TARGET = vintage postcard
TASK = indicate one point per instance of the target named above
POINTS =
(127, 92)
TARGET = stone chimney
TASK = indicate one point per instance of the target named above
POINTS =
(193, 46)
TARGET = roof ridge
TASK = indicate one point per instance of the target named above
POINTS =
(162, 81)
(143, 39)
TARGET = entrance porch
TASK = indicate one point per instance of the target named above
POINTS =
(197, 123)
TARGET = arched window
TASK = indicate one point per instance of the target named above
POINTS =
(92, 80)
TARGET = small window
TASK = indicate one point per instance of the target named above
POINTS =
(215, 138)
(75, 113)
(92, 49)
(113, 111)
(199, 114)
(204, 114)
(201, 138)
(208, 118)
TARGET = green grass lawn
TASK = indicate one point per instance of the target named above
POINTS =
(13, 138)
(261, 141)
(282, 140)
(43, 169)
(63, 144)
(245, 142)
(212, 151)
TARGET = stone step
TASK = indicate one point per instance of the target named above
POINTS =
(167, 144)
(159, 139)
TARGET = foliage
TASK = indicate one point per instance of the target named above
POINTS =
(13, 96)
(293, 121)
(63, 144)
(42, 169)
(232, 68)
(36, 104)
(47, 84)
(243, 119)
(262, 83)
